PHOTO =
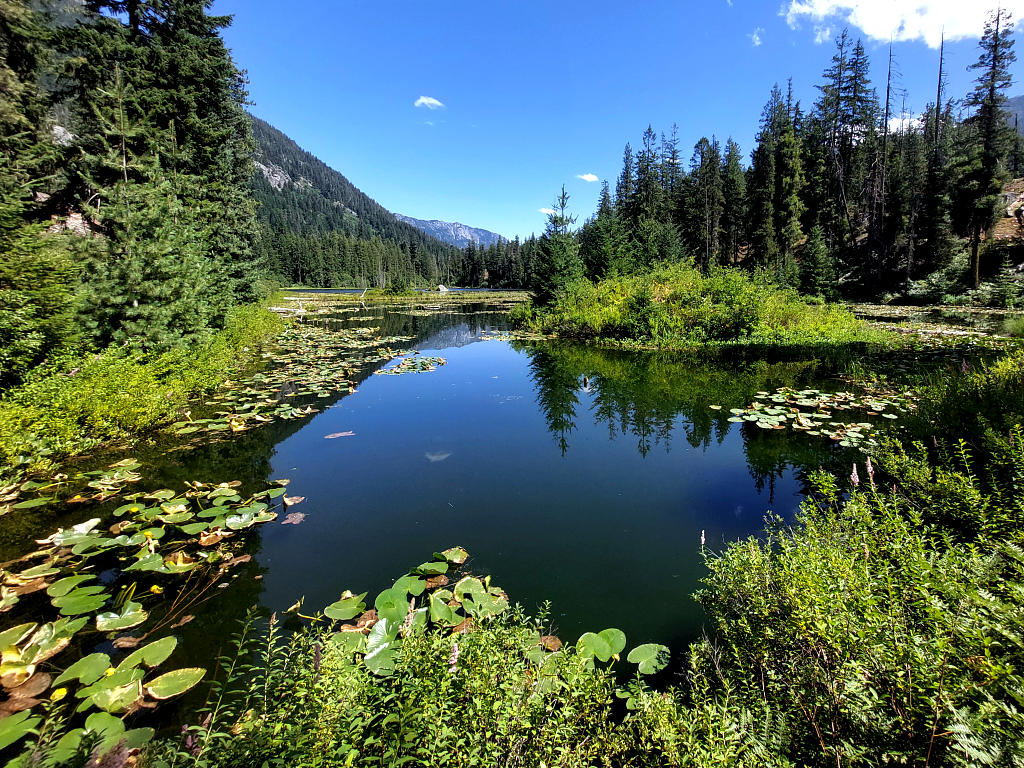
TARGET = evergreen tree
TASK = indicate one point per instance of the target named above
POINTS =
(818, 267)
(987, 169)
(707, 200)
(558, 253)
(35, 271)
(734, 212)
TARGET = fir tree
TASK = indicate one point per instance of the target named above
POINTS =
(35, 271)
(734, 212)
(988, 97)
(558, 253)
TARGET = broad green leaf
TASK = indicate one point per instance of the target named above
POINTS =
(87, 670)
(151, 655)
(594, 646)
(13, 636)
(413, 585)
(392, 604)
(615, 638)
(61, 587)
(348, 607)
(453, 556)
(131, 615)
(434, 568)
(16, 727)
(174, 683)
(650, 657)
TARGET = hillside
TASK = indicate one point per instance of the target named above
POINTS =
(302, 195)
(454, 233)
(1015, 106)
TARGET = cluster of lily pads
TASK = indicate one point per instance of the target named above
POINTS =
(414, 363)
(72, 577)
(99, 485)
(422, 599)
(309, 362)
(812, 412)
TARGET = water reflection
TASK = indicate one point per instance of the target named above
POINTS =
(655, 397)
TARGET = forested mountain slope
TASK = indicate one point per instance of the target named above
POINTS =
(319, 229)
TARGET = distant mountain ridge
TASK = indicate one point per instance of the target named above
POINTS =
(1015, 107)
(298, 192)
(453, 232)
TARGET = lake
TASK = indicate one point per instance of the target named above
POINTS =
(581, 476)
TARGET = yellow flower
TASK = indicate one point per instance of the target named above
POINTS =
(110, 671)
(156, 589)
(58, 694)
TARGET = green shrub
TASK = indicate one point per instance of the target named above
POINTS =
(868, 637)
(76, 403)
(680, 306)
(1014, 326)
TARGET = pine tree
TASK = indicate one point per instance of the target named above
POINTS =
(734, 212)
(35, 270)
(707, 200)
(988, 97)
(558, 253)
(818, 267)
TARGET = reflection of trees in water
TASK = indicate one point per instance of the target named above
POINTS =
(644, 394)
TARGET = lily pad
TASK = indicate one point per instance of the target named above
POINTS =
(348, 607)
(175, 683)
(650, 658)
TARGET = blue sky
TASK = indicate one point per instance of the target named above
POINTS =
(517, 97)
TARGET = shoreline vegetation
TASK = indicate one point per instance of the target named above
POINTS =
(680, 307)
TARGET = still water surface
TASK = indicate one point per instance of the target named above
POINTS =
(581, 476)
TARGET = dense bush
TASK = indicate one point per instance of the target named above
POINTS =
(679, 305)
(75, 403)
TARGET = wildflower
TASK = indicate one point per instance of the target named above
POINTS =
(453, 660)
(58, 694)
(871, 473)
(702, 539)
(854, 477)
(156, 589)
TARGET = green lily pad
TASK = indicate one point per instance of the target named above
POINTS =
(16, 727)
(348, 607)
(175, 683)
(131, 615)
(87, 670)
(650, 657)
(152, 655)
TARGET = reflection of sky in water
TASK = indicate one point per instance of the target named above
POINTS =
(464, 456)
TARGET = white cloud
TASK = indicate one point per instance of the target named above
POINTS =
(588, 177)
(547, 211)
(755, 36)
(429, 102)
(921, 20)
(822, 34)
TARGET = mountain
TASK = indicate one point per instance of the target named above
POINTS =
(453, 232)
(300, 194)
(1015, 106)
